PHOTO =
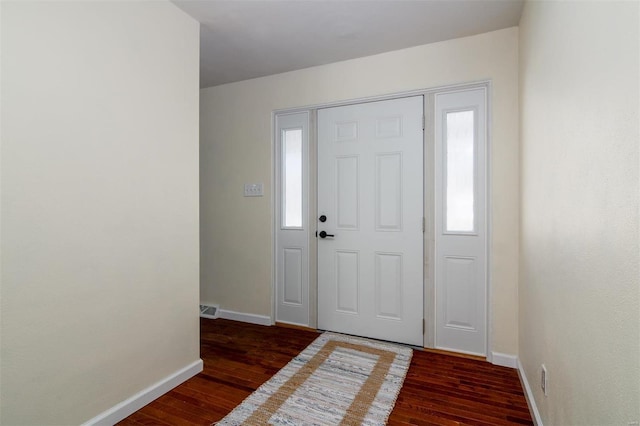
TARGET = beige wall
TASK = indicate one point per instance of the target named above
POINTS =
(236, 240)
(99, 204)
(579, 282)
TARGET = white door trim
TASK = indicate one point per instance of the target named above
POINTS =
(428, 303)
(429, 220)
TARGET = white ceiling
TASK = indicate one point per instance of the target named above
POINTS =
(243, 39)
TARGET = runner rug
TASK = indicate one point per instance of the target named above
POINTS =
(337, 380)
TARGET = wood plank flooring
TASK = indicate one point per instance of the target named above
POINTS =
(439, 389)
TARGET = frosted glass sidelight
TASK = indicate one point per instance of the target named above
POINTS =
(292, 177)
(460, 172)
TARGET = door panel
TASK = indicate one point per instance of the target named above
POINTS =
(293, 275)
(389, 192)
(347, 192)
(370, 188)
(388, 275)
(460, 274)
(347, 281)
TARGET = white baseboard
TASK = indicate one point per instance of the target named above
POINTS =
(533, 408)
(504, 360)
(250, 318)
(145, 396)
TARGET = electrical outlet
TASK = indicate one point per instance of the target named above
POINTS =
(253, 190)
(543, 379)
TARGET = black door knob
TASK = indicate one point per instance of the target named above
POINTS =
(322, 218)
(323, 234)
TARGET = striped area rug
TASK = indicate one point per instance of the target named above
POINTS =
(336, 380)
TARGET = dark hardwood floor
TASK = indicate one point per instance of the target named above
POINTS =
(439, 389)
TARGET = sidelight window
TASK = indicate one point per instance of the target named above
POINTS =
(460, 172)
(292, 177)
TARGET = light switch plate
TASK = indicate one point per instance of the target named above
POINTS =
(253, 190)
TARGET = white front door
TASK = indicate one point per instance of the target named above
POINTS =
(460, 255)
(370, 205)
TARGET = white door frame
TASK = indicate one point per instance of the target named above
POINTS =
(429, 235)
